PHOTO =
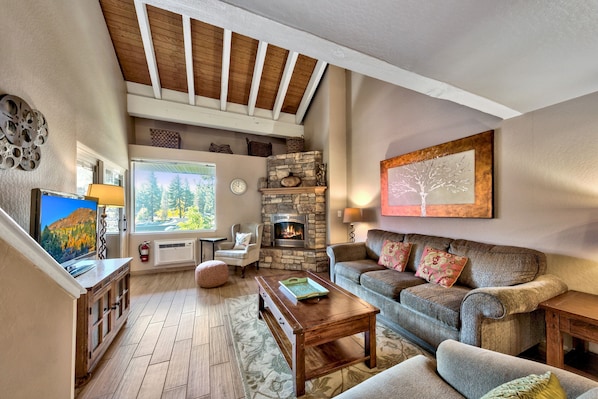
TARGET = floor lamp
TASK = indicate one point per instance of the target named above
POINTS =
(352, 215)
(107, 195)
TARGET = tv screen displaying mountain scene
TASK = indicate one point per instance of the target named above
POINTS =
(64, 225)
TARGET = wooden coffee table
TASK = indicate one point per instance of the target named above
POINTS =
(314, 334)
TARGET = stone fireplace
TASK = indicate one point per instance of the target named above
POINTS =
(294, 218)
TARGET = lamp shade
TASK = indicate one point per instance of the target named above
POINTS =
(107, 194)
(352, 215)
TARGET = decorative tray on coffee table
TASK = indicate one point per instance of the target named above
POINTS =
(302, 288)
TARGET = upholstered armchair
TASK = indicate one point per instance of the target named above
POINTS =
(242, 251)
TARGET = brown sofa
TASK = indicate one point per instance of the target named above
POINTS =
(493, 304)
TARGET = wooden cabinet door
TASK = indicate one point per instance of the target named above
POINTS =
(122, 299)
(100, 323)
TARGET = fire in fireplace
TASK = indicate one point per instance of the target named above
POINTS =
(289, 230)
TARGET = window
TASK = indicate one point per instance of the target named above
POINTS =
(85, 175)
(113, 176)
(174, 196)
(92, 169)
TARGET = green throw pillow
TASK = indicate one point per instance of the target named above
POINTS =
(544, 386)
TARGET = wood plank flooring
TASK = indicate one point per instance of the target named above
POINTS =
(176, 342)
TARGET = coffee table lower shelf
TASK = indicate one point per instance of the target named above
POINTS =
(321, 359)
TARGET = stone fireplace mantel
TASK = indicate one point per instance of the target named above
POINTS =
(294, 190)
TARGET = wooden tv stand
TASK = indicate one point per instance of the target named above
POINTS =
(101, 312)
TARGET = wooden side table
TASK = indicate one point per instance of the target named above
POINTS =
(574, 313)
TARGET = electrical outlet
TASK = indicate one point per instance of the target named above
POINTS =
(339, 214)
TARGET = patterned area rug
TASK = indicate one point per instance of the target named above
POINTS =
(266, 374)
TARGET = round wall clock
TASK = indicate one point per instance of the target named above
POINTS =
(238, 186)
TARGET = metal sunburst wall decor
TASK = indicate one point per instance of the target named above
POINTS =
(22, 132)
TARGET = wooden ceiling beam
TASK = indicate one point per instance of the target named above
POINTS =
(226, 45)
(148, 46)
(257, 76)
(284, 83)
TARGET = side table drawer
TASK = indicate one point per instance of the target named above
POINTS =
(583, 330)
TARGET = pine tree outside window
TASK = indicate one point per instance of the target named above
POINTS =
(174, 196)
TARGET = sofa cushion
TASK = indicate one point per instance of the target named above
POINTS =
(375, 240)
(497, 265)
(437, 302)
(388, 282)
(533, 386)
(419, 242)
(440, 267)
(394, 255)
(232, 253)
(352, 269)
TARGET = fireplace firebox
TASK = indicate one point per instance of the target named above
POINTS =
(289, 230)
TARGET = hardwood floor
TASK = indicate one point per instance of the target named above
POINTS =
(176, 342)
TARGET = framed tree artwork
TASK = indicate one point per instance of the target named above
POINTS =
(453, 179)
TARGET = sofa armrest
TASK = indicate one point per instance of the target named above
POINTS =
(474, 371)
(344, 252)
(500, 302)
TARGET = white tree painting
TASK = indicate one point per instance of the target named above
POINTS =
(448, 179)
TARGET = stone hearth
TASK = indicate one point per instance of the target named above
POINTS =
(307, 199)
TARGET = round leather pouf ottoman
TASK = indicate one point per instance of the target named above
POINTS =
(212, 273)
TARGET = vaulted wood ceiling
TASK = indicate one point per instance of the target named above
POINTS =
(208, 72)
(501, 58)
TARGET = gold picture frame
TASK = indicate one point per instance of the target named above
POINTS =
(453, 179)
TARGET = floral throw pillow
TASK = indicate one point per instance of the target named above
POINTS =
(533, 386)
(394, 255)
(242, 240)
(440, 267)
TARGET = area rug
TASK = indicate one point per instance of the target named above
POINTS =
(266, 374)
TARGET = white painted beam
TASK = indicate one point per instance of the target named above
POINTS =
(151, 108)
(284, 83)
(310, 90)
(226, 43)
(257, 75)
(189, 58)
(148, 46)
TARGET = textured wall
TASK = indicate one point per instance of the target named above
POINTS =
(67, 70)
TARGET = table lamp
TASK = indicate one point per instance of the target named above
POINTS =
(107, 195)
(352, 215)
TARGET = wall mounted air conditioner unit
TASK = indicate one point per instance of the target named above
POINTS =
(174, 252)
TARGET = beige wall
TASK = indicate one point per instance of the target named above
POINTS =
(546, 172)
(326, 131)
(230, 208)
(57, 56)
(37, 334)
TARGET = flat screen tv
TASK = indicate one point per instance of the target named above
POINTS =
(65, 227)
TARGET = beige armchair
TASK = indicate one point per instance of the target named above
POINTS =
(244, 256)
